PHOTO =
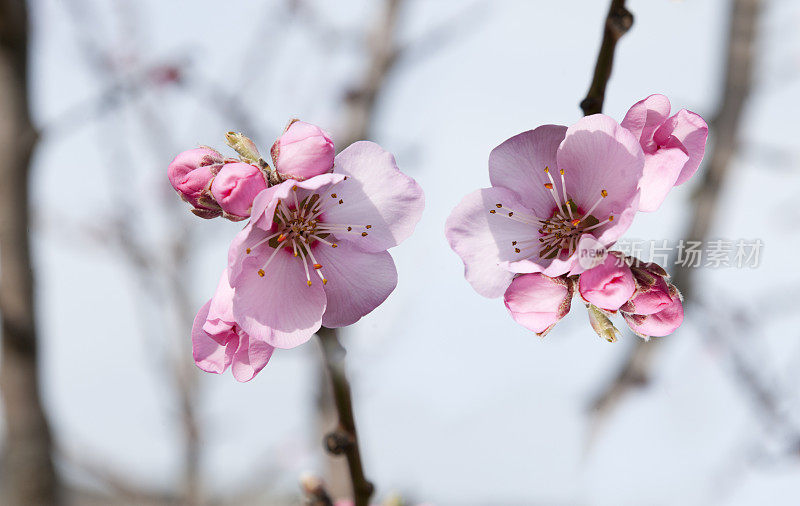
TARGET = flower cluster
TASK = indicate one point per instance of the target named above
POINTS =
(314, 251)
(560, 198)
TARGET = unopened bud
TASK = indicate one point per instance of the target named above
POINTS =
(303, 151)
(235, 187)
(538, 302)
(654, 312)
(186, 176)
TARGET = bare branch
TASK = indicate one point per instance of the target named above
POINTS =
(343, 440)
(618, 22)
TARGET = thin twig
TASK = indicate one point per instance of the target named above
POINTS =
(360, 100)
(343, 439)
(618, 22)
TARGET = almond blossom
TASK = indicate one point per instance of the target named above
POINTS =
(314, 251)
(673, 146)
(554, 190)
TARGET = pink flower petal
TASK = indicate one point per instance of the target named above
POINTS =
(484, 240)
(645, 117)
(375, 193)
(661, 170)
(250, 358)
(358, 282)
(278, 308)
(518, 164)
(690, 131)
(209, 353)
(597, 154)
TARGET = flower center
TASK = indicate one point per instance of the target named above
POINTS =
(560, 232)
(299, 225)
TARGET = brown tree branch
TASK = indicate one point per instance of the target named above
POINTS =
(28, 476)
(343, 440)
(742, 35)
(359, 101)
(618, 22)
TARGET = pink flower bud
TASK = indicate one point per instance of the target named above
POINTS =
(656, 311)
(235, 187)
(538, 302)
(303, 151)
(195, 184)
(660, 324)
(609, 285)
(650, 299)
(187, 162)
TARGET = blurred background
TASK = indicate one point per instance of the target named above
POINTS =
(455, 403)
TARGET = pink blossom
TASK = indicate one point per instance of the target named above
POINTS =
(191, 173)
(609, 285)
(314, 251)
(552, 187)
(235, 187)
(538, 302)
(673, 146)
(218, 342)
(303, 151)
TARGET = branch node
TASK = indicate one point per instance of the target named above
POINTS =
(338, 442)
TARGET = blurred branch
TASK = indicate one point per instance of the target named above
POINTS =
(443, 34)
(28, 475)
(737, 330)
(360, 99)
(743, 31)
(343, 440)
(618, 22)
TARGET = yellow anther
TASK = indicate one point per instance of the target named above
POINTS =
(334, 245)
(363, 234)
(349, 229)
(498, 205)
(546, 169)
(317, 266)
(248, 250)
(516, 250)
(341, 201)
(604, 193)
(324, 281)
(492, 211)
(368, 227)
(309, 282)
(261, 272)
(611, 218)
(333, 195)
(511, 213)
(549, 186)
(561, 171)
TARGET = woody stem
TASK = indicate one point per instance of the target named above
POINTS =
(343, 440)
